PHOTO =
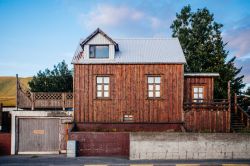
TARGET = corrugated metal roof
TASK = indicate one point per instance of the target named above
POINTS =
(201, 74)
(141, 50)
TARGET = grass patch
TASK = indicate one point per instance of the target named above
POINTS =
(8, 89)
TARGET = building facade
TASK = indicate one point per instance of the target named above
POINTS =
(136, 83)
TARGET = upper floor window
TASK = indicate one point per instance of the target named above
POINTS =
(154, 86)
(198, 93)
(98, 51)
(102, 86)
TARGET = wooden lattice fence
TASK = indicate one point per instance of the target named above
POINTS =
(43, 100)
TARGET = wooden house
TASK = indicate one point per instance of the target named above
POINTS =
(139, 84)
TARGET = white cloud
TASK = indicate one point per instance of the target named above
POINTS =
(238, 36)
(245, 63)
(238, 41)
(155, 22)
(104, 15)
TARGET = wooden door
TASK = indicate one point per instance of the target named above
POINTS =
(38, 136)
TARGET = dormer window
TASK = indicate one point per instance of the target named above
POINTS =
(99, 51)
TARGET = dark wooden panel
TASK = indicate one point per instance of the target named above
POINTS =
(207, 82)
(5, 143)
(101, 143)
(132, 127)
(1, 117)
(128, 86)
(207, 120)
(38, 135)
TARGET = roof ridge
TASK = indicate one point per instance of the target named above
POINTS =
(146, 38)
(141, 38)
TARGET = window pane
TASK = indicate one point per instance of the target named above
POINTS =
(157, 94)
(106, 94)
(99, 94)
(106, 80)
(195, 96)
(91, 51)
(157, 80)
(150, 94)
(106, 87)
(157, 87)
(201, 90)
(150, 80)
(99, 80)
(101, 51)
(195, 90)
(99, 87)
(150, 87)
(201, 96)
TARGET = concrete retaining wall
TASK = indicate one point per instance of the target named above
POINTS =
(189, 146)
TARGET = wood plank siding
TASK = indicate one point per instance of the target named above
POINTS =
(209, 115)
(207, 82)
(128, 93)
(38, 135)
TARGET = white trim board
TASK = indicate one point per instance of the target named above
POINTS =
(48, 152)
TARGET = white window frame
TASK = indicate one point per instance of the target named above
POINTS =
(198, 93)
(102, 86)
(98, 45)
(154, 86)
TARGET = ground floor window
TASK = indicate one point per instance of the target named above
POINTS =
(198, 93)
(102, 86)
(154, 86)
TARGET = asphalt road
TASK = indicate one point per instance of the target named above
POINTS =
(56, 160)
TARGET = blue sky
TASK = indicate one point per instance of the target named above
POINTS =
(36, 34)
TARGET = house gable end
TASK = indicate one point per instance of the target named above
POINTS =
(99, 34)
(98, 40)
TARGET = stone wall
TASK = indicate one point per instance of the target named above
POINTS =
(189, 146)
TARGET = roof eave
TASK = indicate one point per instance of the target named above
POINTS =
(201, 74)
(126, 63)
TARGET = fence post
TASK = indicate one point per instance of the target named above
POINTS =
(32, 101)
(229, 107)
(248, 123)
(1, 114)
(63, 101)
(17, 93)
(235, 104)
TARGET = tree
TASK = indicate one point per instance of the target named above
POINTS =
(204, 49)
(57, 80)
(247, 92)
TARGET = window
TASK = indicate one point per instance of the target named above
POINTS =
(154, 87)
(98, 51)
(102, 87)
(128, 118)
(198, 93)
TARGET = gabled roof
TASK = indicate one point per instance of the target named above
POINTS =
(98, 30)
(137, 51)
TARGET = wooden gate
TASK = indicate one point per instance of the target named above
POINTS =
(38, 136)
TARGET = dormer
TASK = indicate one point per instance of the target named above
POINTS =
(99, 46)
